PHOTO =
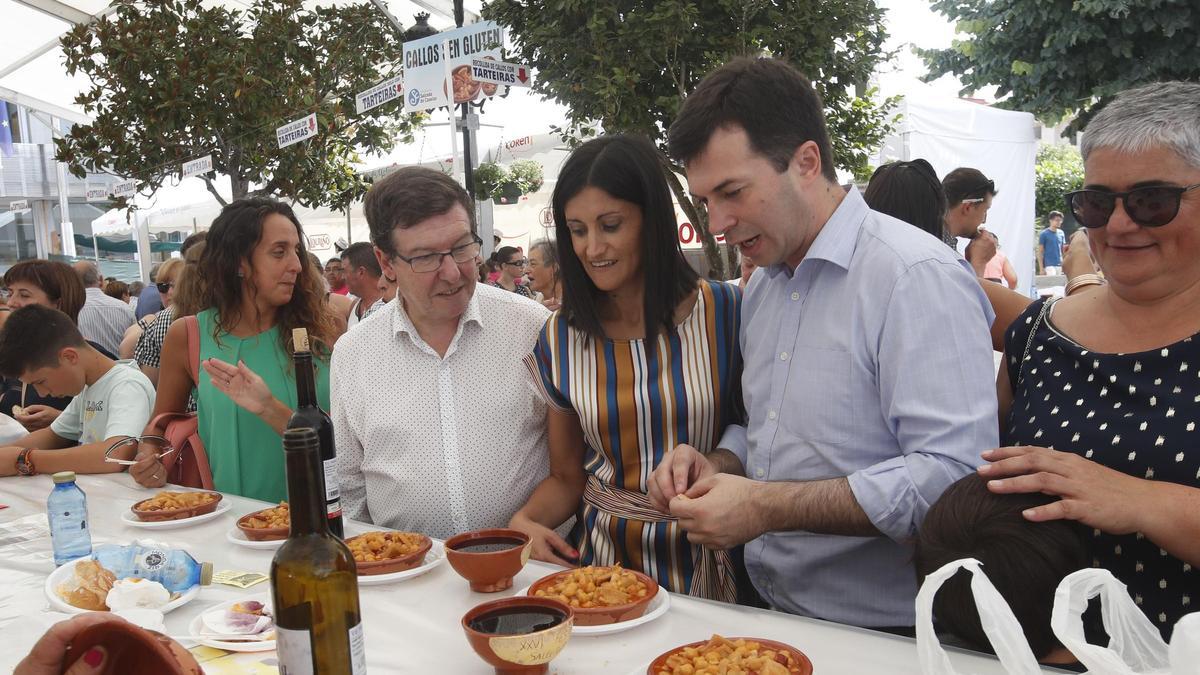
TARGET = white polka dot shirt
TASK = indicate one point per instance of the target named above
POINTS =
(440, 445)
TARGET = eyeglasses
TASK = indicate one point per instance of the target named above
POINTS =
(5, 293)
(519, 263)
(160, 444)
(164, 287)
(431, 261)
(1150, 206)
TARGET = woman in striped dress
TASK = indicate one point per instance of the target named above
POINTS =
(642, 356)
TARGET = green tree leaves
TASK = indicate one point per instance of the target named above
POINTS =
(627, 64)
(177, 79)
(1057, 58)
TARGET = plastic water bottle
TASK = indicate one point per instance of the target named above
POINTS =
(66, 509)
(173, 568)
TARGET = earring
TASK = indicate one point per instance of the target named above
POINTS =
(241, 274)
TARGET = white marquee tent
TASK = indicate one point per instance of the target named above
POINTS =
(951, 132)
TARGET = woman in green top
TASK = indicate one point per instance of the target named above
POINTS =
(259, 285)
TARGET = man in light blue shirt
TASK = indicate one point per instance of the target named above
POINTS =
(868, 374)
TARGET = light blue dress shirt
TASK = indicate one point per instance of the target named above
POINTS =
(871, 361)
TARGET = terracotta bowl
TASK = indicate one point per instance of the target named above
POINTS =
(527, 653)
(132, 651)
(262, 533)
(599, 616)
(398, 564)
(488, 572)
(806, 667)
(175, 514)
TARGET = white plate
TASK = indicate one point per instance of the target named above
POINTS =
(657, 607)
(194, 629)
(132, 520)
(64, 574)
(238, 537)
(435, 557)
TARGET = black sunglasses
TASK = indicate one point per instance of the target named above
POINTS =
(164, 287)
(1150, 206)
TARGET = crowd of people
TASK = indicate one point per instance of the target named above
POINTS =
(814, 436)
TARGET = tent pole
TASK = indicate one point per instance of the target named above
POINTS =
(95, 249)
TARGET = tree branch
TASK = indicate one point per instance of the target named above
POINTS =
(213, 189)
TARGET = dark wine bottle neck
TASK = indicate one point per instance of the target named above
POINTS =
(306, 499)
(306, 380)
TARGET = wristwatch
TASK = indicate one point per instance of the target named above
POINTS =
(25, 464)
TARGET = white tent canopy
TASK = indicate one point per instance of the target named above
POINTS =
(951, 133)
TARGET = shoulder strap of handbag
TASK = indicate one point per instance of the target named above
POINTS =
(1029, 342)
(193, 336)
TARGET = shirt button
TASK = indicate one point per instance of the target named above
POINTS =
(783, 356)
(760, 473)
(771, 415)
(795, 295)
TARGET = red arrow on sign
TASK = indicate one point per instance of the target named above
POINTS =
(522, 75)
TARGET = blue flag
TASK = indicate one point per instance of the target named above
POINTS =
(6, 143)
(5, 130)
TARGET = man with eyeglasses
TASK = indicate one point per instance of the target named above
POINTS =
(1051, 243)
(438, 426)
(335, 276)
(969, 195)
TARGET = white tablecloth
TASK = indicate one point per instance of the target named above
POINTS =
(412, 626)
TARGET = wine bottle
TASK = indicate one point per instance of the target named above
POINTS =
(314, 582)
(309, 414)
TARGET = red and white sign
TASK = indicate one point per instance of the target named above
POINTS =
(501, 72)
(295, 132)
(384, 92)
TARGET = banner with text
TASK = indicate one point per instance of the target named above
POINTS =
(384, 92)
(500, 72)
(197, 166)
(437, 69)
(126, 188)
(295, 132)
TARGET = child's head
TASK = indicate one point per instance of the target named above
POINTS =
(43, 348)
(1024, 560)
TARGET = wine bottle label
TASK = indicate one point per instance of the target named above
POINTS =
(358, 651)
(333, 496)
(294, 649)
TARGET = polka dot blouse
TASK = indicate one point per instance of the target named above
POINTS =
(1136, 413)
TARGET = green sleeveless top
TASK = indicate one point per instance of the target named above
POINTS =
(246, 455)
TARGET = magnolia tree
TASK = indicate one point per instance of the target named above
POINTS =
(176, 80)
(628, 65)
(1059, 58)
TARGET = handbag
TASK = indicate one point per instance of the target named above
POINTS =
(188, 465)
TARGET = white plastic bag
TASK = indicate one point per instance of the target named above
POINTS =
(1185, 645)
(1135, 646)
(995, 616)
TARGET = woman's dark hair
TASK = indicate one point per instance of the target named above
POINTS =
(232, 238)
(911, 192)
(769, 99)
(626, 168)
(1024, 560)
(504, 254)
(58, 281)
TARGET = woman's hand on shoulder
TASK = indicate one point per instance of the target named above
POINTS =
(1089, 492)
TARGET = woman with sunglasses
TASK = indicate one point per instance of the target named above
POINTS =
(167, 274)
(1110, 378)
(642, 357)
(512, 270)
(259, 285)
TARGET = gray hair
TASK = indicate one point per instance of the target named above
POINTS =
(1164, 114)
(88, 274)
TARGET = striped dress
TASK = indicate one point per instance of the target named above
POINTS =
(634, 406)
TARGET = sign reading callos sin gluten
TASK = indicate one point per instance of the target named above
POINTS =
(437, 69)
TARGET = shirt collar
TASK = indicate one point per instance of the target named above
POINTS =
(838, 237)
(402, 322)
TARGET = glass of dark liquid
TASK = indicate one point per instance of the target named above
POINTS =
(519, 634)
(488, 559)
